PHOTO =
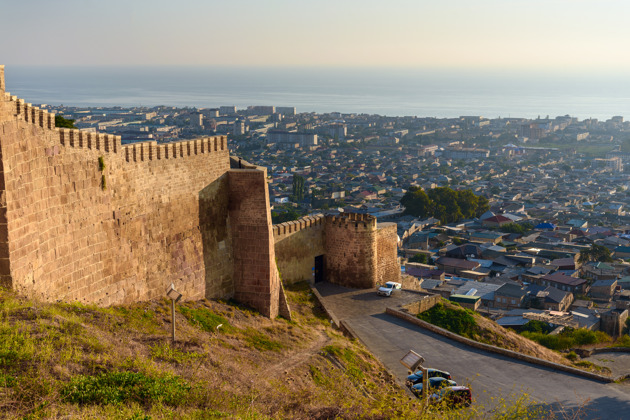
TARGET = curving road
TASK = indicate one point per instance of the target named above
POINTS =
(491, 376)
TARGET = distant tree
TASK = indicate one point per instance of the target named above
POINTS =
(445, 207)
(417, 203)
(298, 188)
(61, 122)
(595, 253)
(444, 203)
(516, 228)
(537, 327)
(419, 258)
(482, 205)
(286, 216)
(467, 202)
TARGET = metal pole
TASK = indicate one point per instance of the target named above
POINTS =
(173, 319)
(425, 384)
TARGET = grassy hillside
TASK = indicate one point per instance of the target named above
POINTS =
(59, 360)
(83, 362)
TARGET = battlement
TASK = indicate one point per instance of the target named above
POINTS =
(72, 231)
(358, 220)
(294, 226)
(85, 140)
(150, 150)
(28, 112)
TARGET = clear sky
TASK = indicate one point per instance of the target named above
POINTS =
(583, 35)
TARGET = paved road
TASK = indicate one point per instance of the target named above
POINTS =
(490, 375)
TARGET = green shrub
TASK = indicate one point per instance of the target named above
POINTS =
(418, 258)
(205, 319)
(537, 326)
(568, 338)
(125, 387)
(61, 122)
(459, 321)
(623, 341)
(101, 163)
(572, 356)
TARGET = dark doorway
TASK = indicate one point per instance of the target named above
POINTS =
(319, 269)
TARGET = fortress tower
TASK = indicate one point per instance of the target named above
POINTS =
(349, 249)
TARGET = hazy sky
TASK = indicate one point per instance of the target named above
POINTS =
(580, 35)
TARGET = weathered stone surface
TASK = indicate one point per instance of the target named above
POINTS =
(155, 215)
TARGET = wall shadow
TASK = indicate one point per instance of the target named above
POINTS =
(216, 235)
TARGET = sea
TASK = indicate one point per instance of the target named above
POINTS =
(441, 93)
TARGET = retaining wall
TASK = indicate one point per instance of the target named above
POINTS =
(493, 349)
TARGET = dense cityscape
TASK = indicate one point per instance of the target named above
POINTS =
(555, 188)
(315, 210)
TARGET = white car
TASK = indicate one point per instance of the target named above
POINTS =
(388, 288)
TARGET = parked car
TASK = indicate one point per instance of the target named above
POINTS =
(452, 397)
(434, 385)
(388, 288)
(414, 378)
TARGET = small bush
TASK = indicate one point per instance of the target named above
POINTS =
(101, 163)
(537, 327)
(418, 258)
(623, 341)
(568, 338)
(572, 356)
(459, 321)
(125, 387)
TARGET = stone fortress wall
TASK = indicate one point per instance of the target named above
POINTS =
(84, 218)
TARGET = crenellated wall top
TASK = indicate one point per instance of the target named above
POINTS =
(107, 143)
(294, 226)
(356, 220)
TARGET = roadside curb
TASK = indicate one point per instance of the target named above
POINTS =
(340, 325)
(494, 349)
(610, 350)
(331, 315)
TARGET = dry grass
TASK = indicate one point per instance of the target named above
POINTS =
(51, 355)
(77, 361)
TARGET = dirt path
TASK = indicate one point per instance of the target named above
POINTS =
(298, 358)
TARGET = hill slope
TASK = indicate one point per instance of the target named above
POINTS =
(82, 361)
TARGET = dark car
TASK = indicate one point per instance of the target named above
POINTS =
(452, 397)
(432, 373)
(434, 385)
